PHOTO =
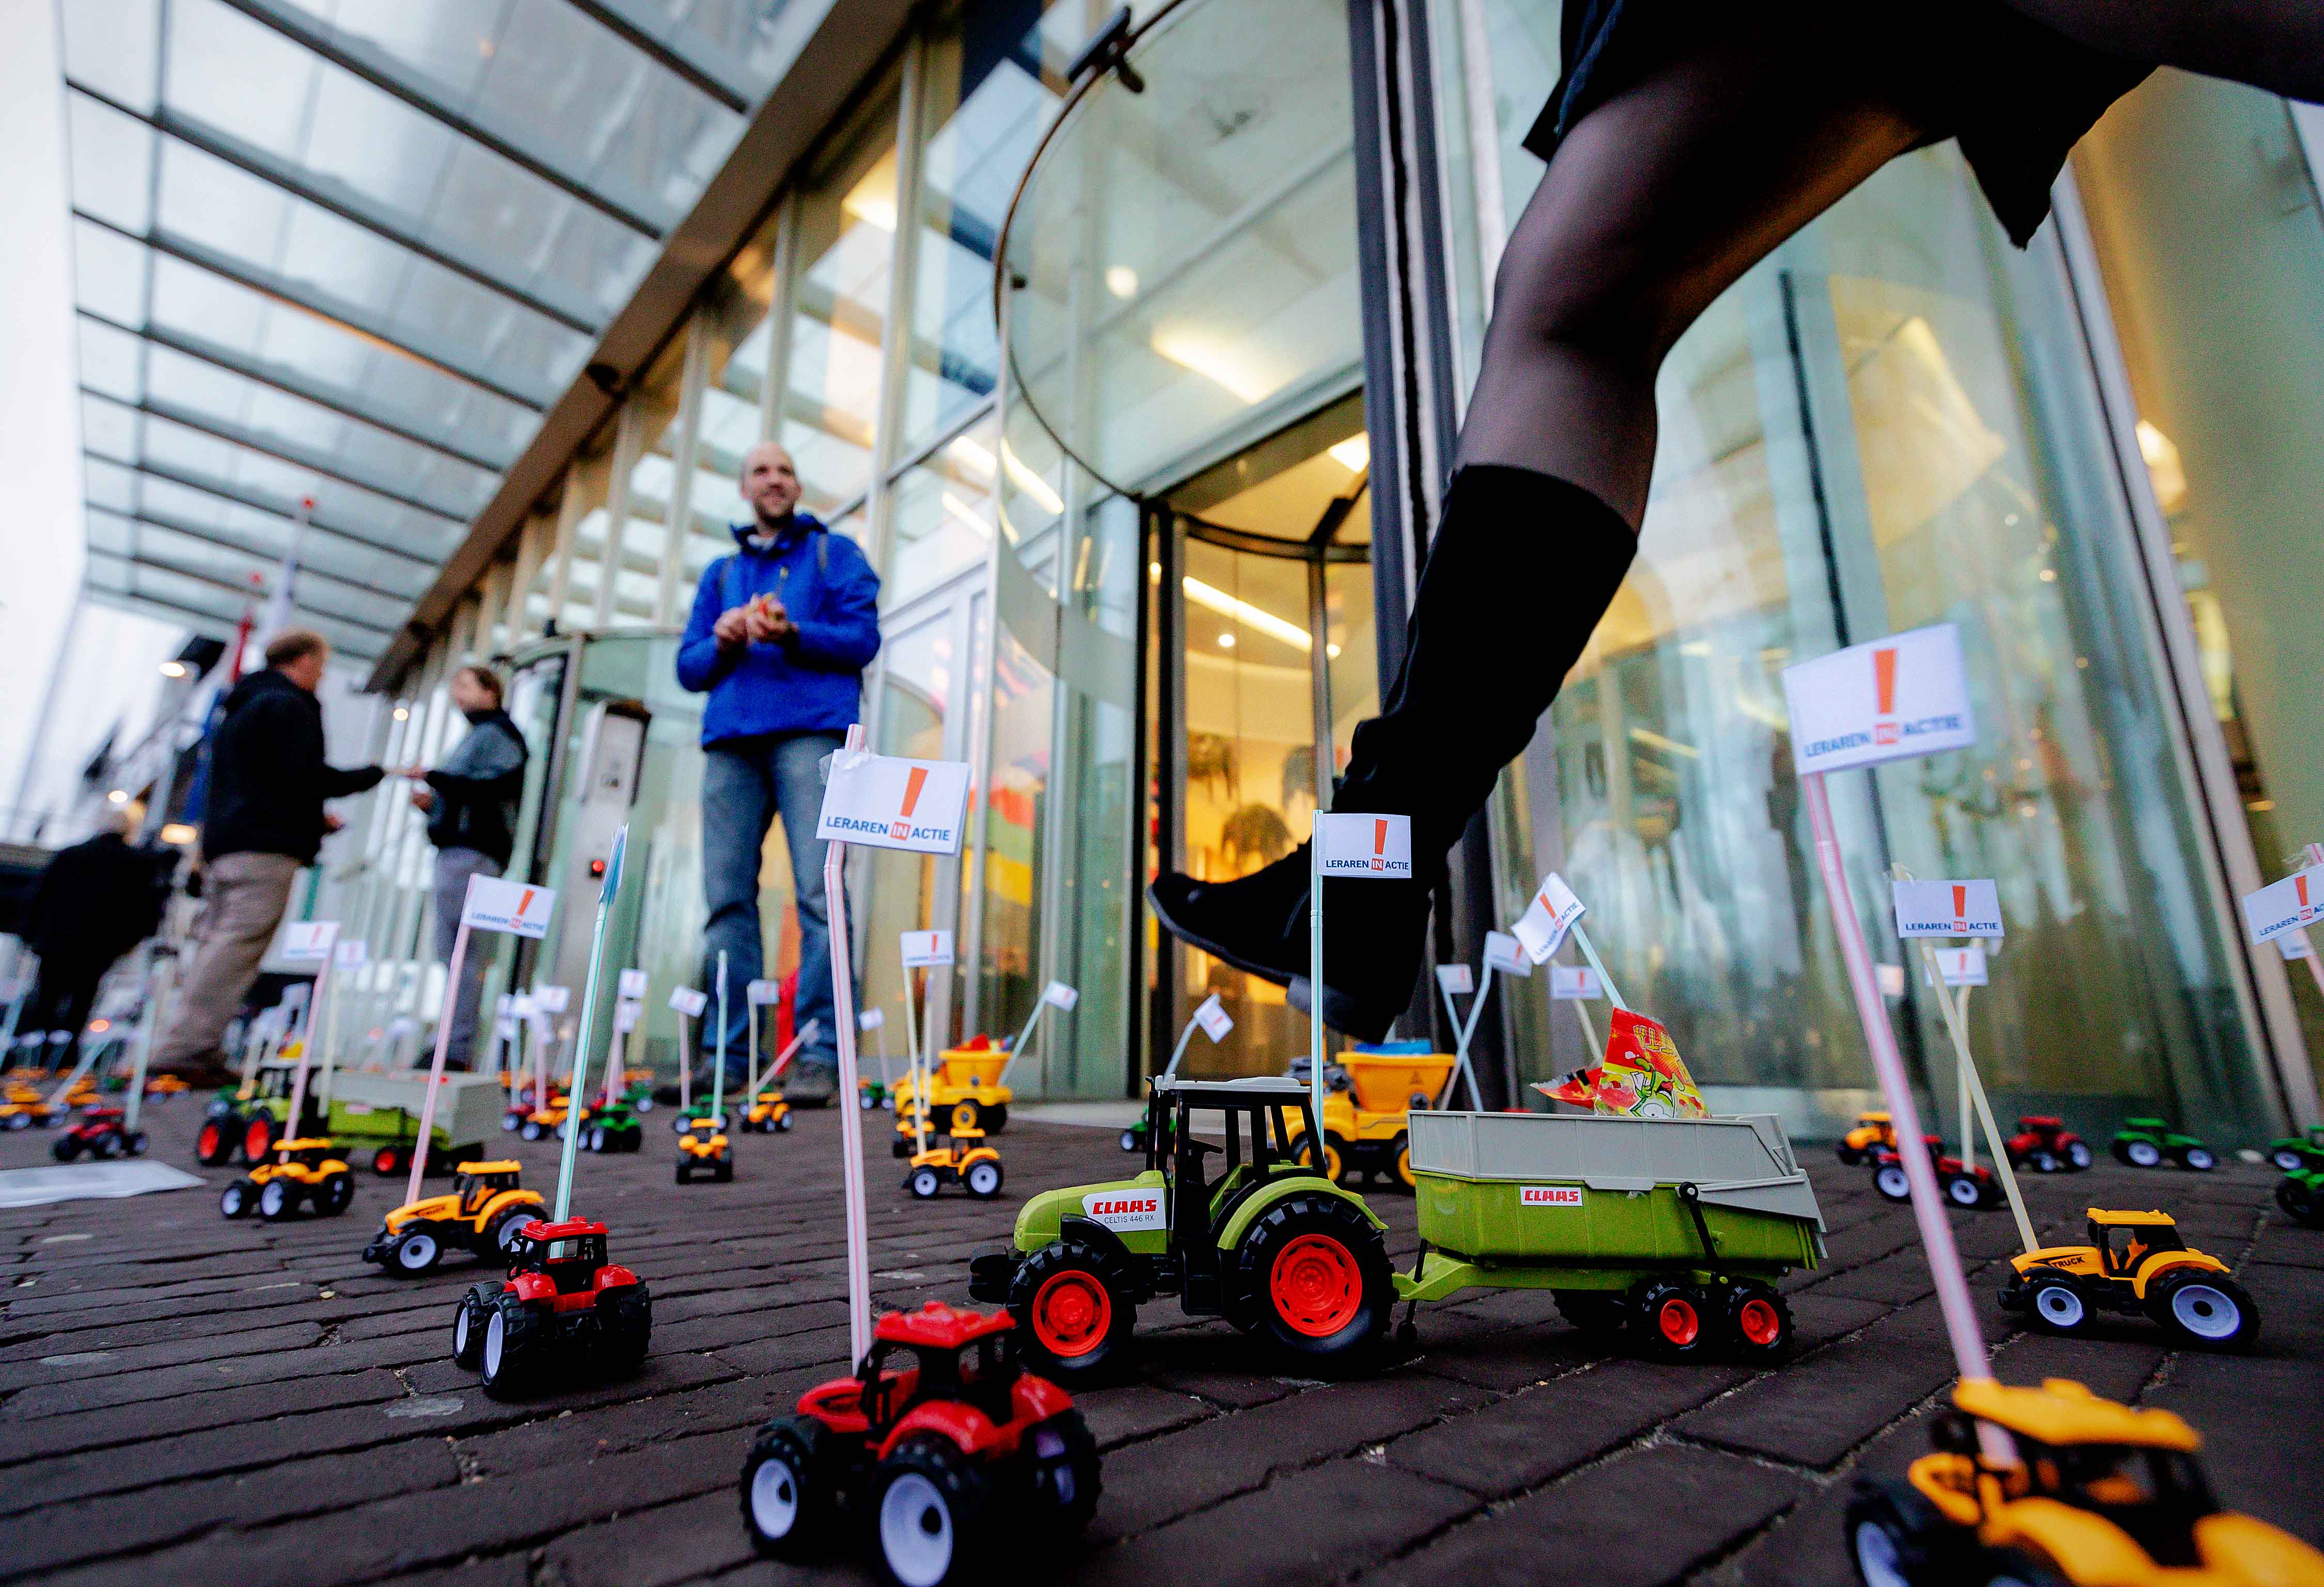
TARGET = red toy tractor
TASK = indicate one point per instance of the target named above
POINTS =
(99, 1131)
(949, 1462)
(562, 1300)
(1963, 1186)
(2044, 1145)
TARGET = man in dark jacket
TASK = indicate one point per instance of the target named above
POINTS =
(266, 820)
(780, 634)
(95, 902)
(471, 802)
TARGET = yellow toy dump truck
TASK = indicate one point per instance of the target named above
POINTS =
(1369, 1096)
(964, 1088)
(2135, 1263)
(485, 1212)
(2099, 1496)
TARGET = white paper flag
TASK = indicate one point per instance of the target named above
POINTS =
(1947, 908)
(1215, 1021)
(1058, 994)
(351, 955)
(895, 804)
(552, 999)
(1366, 847)
(518, 908)
(1887, 700)
(764, 993)
(1543, 926)
(626, 1016)
(870, 1019)
(1575, 983)
(1507, 954)
(924, 950)
(633, 985)
(689, 1002)
(308, 942)
(2293, 945)
(2284, 906)
(1457, 979)
(1962, 966)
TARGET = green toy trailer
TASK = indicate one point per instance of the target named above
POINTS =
(1673, 1230)
(2149, 1143)
(375, 1117)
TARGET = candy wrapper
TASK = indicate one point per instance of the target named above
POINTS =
(1641, 1076)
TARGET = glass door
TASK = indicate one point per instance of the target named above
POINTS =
(1270, 625)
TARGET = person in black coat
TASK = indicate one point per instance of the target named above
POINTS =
(94, 902)
(1686, 142)
(471, 803)
(264, 820)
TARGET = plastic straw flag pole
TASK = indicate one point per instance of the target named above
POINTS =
(1017, 1047)
(783, 1059)
(157, 1002)
(911, 1033)
(539, 1036)
(1960, 1067)
(1464, 1030)
(685, 1063)
(323, 980)
(2314, 854)
(452, 967)
(1582, 941)
(330, 1042)
(851, 1137)
(751, 1048)
(1315, 1131)
(718, 1074)
(588, 1033)
(1186, 1036)
(1956, 1016)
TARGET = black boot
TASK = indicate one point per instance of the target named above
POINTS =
(1522, 567)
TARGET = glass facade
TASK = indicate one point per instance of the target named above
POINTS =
(1152, 638)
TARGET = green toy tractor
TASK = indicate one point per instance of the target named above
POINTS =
(2301, 1197)
(2297, 1153)
(2149, 1143)
(614, 1128)
(1266, 1241)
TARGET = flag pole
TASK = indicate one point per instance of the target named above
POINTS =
(850, 1132)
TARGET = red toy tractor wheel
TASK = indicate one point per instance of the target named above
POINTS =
(386, 1160)
(1674, 1319)
(1316, 1274)
(257, 1140)
(1758, 1323)
(214, 1147)
(1072, 1316)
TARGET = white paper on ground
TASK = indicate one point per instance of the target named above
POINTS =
(1365, 847)
(31, 1188)
(895, 804)
(1575, 983)
(1889, 699)
(924, 950)
(1947, 908)
(518, 908)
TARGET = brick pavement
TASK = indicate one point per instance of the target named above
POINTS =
(189, 1400)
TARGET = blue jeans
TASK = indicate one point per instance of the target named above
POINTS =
(745, 783)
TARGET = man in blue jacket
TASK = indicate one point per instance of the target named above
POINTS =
(780, 634)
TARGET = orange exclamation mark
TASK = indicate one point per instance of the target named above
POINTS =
(912, 786)
(1883, 679)
(524, 903)
(1960, 908)
(1379, 845)
(2300, 885)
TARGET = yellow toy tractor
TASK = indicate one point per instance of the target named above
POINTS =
(303, 1173)
(705, 1149)
(544, 1122)
(964, 1088)
(485, 1212)
(963, 1160)
(22, 1107)
(2101, 1496)
(1872, 1131)
(2134, 1262)
(1369, 1096)
(769, 1114)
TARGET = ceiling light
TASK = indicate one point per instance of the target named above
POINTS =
(872, 201)
(1030, 483)
(1354, 454)
(119, 795)
(177, 833)
(404, 713)
(173, 668)
(978, 458)
(1333, 651)
(1121, 282)
(1226, 641)
(1249, 615)
(1229, 363)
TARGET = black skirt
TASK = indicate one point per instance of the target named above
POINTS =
(2015, 94)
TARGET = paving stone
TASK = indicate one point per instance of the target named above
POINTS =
(1137, 1410)
(135, 1423)
(1823, 1405)
(2244, 1408)
(1644, 1516)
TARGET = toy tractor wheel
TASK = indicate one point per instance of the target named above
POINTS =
(1897, 1538)
(783, 1121)
(2055, 1304)
(1065, 1478)
(2203, 1308)
(1399, 1153)
(866, 1100)
(627, 1314)
(333, 1195)
(134, 1143)
(415, 1252)
(966, 1116)
(386, 1160)
(511, 1340)
(469, 1325)
(982, 1179)
(1599, 1312)
(239, 1199)
(786, 1488)
(1964, 1190)
(1758, 1323)
(277, 1199)
(2077, 1155)
(1316, 1273)
(214, 1147)
(684, 1171)
(1850, 1157)
(509, 1121)
(19, 1120)
(1130, 1141)
(2139, 1154)
(2197, 1158)
(931, 1508)
(66, 1149)
(507, 1230)
(257, 1140)
(724, 1172)
(1892, 1183)
(2288, 1161)
(924, 1183)
(1071, 1316)
(2041, 1162)
(1674, 1320)
(2300, 1202)
(529, 1129)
